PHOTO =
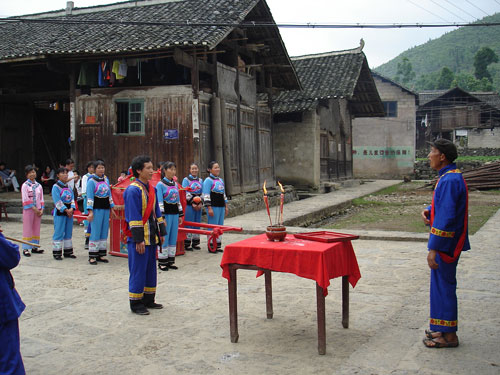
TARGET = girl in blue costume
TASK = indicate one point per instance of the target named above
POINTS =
(85, 179)
(194, 204)
(214, 197)
(64, 203)
(167, 194)
(12, 307)
(99, 204)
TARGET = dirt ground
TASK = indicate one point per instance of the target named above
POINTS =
(399, 208)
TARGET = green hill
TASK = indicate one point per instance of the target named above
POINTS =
(455, 49)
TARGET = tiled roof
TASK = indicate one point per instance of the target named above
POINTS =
(392, 82)
(31, 39)
(489, 97)
(326, 75)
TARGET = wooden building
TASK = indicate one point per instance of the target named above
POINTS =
(176, 80)
(384, 147)
(313, 127)
(470, 119)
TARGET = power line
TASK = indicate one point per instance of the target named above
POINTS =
(245, 24)
(449, 11)
(474, 17)
(475, 6)
(428, 11)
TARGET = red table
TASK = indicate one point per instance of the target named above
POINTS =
(313, 260)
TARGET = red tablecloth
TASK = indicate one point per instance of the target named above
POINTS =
(313, 260)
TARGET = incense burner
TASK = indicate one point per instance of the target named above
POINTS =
(276, 232)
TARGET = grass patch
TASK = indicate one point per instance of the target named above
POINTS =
(398, 209)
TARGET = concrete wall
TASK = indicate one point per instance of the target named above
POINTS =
(385, 147)
(297, 151)
(483, 138)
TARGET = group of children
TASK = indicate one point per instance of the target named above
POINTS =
(98, 205)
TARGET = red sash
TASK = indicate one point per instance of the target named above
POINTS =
(126, 230)
(460, 244)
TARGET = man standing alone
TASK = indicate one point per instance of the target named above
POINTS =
(145, 228)
(447, 217)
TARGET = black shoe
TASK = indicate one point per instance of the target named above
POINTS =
(172, 266)
(154, 305)
(58, 257)
(187, 245)
(72, 256)
(196, 244)
(26, 253)
(93, 261)
(37, 251)
(104, 260)
(141, 310)
(163, 267)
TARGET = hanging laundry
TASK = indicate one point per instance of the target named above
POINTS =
(122, 69)
(87, 76)
(104, 74)
(116, 69)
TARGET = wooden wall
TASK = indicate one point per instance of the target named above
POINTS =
(167, 107)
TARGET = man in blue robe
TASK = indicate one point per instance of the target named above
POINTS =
(145, 228)
(11, 362)
(447, 217)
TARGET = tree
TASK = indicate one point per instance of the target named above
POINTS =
(446, 78)
(484, 57)
(404, 73)
(467, 82)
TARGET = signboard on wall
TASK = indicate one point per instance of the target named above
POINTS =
(170, 134)
(72, 121)
(461, 132)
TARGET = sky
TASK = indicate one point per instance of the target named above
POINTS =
(380, 45)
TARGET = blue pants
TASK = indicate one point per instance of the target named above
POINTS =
(217, 219)
(11, 361)
(169, 247)
(63, 231)
(192, 215)
(443, 296)
(99, 235)
(85, 222)
(100, 225)
(142, 269)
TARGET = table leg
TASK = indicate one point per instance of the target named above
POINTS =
(345, 302)
(320, 301)
(269, 294)
(233, 305)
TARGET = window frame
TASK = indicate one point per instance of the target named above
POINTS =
(130, 102)
(387, 104)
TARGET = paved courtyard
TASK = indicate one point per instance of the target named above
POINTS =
(78, 321)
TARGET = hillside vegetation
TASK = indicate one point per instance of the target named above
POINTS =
(455, 50)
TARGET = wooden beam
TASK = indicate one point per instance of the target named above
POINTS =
(185, 59)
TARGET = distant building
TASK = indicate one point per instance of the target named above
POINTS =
(313, 128)
(470, 119)
(384, 147)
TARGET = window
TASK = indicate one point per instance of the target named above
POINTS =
(130, 116)
(390, 109)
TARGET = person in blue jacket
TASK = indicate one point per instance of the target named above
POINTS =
(194, 204)
(64, 203)
(448, 218)
(11, 308)
(214, 198)
(167, 195)
(145, 228)
(99, 204)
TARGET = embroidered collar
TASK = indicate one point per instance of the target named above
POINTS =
(32, 183)
(167, 182)
(61, 184)
(213, 177)
(192, 178)
(97, 178)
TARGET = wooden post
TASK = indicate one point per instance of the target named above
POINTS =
(226, 150)
(269, 294)
(238, 119)
(217, 133)
(320, 302)
(345, 301)
(233, 304)
(72, 106)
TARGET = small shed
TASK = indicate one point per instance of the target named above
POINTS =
(470, 119)
(313, 127)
